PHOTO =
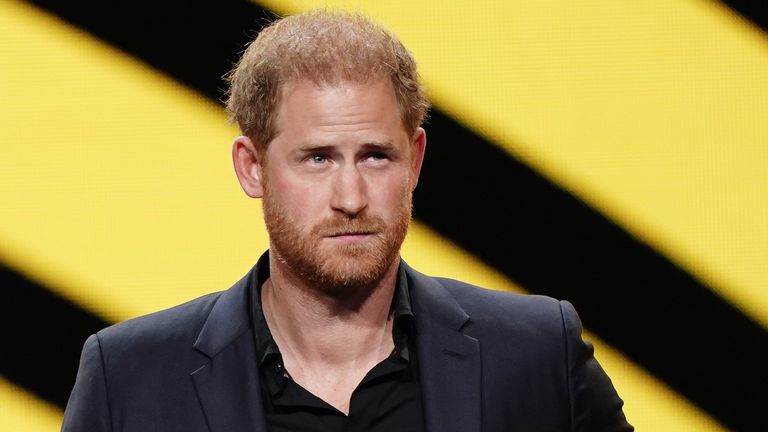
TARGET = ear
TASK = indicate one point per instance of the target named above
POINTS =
(418, 146)
(248, 166)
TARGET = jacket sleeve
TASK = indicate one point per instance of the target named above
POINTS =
(88, 407)
(595, 406)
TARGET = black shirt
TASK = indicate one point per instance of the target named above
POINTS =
(387, 399)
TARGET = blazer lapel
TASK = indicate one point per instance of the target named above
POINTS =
(227, 383)
(449, 361)
(229, 394)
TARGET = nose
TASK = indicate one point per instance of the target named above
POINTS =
(349, 195)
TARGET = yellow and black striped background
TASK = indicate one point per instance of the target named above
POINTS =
(614, 154)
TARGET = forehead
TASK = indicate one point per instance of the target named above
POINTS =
(307, 106)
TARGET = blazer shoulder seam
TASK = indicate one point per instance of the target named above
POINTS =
(567, 362)
(106, 383)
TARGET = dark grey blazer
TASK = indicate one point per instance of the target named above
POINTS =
(488, 361)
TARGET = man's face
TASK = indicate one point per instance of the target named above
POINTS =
(337, 183)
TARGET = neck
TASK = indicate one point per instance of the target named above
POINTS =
(315, 329)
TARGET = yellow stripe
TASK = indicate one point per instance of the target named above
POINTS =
(23, 412)
(653, 112)
(116, 182)
(650, 405)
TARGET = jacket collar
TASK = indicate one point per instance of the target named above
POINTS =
(228, 318)
(449, 360)
(228, 385)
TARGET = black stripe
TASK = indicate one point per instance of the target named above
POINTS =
(42, 337)
(505, 213)
(196, 42)
(635, 299)
(755, 11)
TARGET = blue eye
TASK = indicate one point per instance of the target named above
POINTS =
(318, 159)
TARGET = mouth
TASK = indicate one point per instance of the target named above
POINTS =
(351, 234)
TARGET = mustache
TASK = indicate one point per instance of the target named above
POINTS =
(340, 225)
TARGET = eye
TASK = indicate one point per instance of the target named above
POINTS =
(318, 159)
(377, 156)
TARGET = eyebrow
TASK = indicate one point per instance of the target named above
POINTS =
(373, 145)
(306, 148)
(379, 145)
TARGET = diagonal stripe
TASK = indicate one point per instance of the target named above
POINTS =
(97, 166)
(137, 159)
(558, 247)
(754, 11)
(42, 337)
(652, 112)
(23, 412)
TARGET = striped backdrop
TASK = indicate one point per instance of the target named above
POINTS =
(614, 154)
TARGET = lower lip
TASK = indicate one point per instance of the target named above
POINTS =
(352, 238)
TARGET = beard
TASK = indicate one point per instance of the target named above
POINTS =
(337, 270)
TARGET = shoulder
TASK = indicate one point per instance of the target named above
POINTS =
(224, 314)
(178, 324)
(528, 342)
(502, 309)
(502, 321)
(491, 315)
(143, 365)
(473, 296)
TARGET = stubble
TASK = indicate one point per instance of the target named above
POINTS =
(336, 270)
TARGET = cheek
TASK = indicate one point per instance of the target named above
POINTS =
(302, 200)
(394, 192)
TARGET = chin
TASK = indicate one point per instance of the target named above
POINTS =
(346, 274)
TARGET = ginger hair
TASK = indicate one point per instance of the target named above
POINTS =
(326, 47)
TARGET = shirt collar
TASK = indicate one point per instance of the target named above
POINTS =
(402, 332)
(265, 343)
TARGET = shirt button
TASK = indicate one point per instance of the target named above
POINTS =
(279, 368)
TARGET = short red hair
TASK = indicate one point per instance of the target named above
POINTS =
(326, 47)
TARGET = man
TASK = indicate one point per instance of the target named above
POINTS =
(331, 330)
